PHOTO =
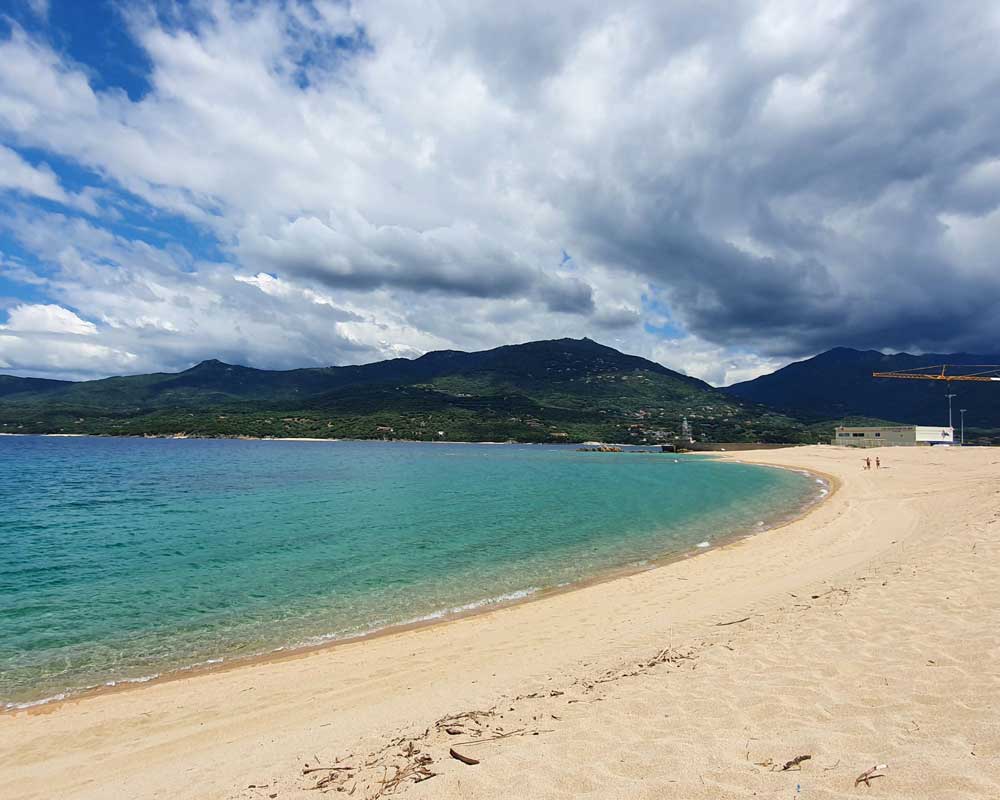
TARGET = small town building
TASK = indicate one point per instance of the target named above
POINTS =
(892, 436)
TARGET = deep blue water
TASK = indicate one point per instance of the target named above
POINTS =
(124, 558)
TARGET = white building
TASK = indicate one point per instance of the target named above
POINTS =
(893, 436)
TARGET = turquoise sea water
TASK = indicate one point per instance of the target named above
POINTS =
(126, 558)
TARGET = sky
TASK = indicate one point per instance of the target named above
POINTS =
(722, 187)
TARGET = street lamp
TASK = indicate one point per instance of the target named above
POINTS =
(949, 396)
(962, 412)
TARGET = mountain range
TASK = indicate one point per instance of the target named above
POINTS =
(838, 384)
(557, 390)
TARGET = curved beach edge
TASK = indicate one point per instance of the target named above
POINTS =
(481, 606)
(863, 633)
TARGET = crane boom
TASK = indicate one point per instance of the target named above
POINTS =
(986, 372)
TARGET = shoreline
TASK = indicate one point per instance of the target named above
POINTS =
(863, 633)
(554, 443)
(474, 608)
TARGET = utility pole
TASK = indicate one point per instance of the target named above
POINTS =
(949, 396)
(962, 412)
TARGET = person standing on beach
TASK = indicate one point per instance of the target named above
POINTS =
(868, 462)
(878, 463)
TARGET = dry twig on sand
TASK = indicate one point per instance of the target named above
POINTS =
(869, 775)
(468, 722)
(400, 762)
(415, 769)
(309, 769)
(795, 763)
(508, 734)
(831, 591)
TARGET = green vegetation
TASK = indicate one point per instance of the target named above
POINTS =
(556, 391)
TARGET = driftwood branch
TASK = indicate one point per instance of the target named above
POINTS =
(464, 759)
(870, 774)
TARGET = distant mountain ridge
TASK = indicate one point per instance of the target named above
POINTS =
(838, 383)
(562, 389)
(218, 381)
(555, 390)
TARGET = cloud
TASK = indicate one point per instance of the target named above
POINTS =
(357, 254)
(319, 182)
(617, 316)
(40, 8)
(168, 311)
(48, 339)
(18, 175)
(47, 319)
(712, 363)
(63, 359)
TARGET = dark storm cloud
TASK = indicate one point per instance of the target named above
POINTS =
(816, 209)
(459, 260)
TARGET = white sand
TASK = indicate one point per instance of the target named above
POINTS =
(873, 636)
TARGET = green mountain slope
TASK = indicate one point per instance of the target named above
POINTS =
(11, 386)
(559, 390)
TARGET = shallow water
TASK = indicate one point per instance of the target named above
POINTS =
(125, 558)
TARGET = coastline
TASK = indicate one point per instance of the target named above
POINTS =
(478, 607)
(858, 634)
(244, 438)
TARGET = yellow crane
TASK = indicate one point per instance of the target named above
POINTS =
(986, 372)
(939, 372)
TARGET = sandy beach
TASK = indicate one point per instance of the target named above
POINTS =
(865, 633)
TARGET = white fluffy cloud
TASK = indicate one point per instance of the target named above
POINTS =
(19, 175)
(48, 339)
(377, 179)
(26, 318)
(50, 357)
